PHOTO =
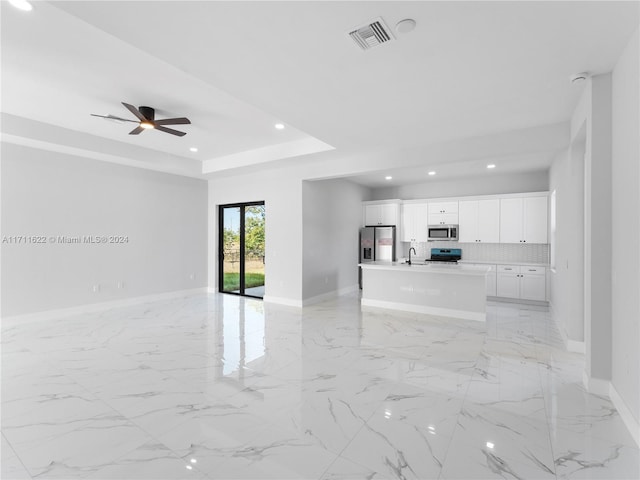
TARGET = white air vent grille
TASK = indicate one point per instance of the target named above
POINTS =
(371, 34)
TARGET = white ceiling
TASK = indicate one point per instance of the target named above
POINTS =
(469, 70)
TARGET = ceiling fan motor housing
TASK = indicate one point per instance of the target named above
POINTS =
(147, 112)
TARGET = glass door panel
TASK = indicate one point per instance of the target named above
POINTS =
(242, 249)
(230, 250)
(254, 223)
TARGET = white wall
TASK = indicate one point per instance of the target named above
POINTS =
(52, 194)
(332, 214)
(282, 193)
(566, 178)
(605, 132)
(488, 185)
(597, 292)
(625, 238)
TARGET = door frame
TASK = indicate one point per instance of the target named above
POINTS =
(242, 206)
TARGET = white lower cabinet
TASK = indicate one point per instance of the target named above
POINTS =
(533, 286)
(521, 281)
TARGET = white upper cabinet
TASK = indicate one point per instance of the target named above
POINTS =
(523, 220)
(443, 213)
(535, 219)
(479, 221)
(381, 214)
(414, 222)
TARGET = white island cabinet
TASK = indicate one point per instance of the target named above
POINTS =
(445, 290)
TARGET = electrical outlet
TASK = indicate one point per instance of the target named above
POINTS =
(120, 285)
(96, 288)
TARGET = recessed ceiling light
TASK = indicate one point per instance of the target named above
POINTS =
(491, 165)
(193, 149)
(279, 126)
(406, 25)
(21, 5)
(490, 445)
(388, 177)
(432, 173)
(579, 77)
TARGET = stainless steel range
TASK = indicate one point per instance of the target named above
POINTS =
(445, 255)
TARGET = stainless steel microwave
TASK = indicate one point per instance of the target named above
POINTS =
(443, 232)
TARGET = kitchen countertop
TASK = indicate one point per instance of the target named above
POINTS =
(417, 267)
(499, 262)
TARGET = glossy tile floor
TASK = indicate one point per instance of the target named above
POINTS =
(220, 387)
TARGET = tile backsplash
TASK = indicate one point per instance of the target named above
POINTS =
(491, 252)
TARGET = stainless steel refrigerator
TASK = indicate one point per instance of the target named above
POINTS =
(377, 244)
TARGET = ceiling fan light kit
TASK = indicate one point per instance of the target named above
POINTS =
(146, 120)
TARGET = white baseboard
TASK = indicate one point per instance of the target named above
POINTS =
(311, 300)
(97, 307)
(521, 301)
(573, 346)
(629, 420)
(606, 388)
(595, 385)
(329, 295)
(289, 302)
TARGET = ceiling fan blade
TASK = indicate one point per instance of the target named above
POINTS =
(135, 111)
(170, 130)
(113, 117)
(136, 130)
(173, 121)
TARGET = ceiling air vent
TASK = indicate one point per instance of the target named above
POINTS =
(371, 34)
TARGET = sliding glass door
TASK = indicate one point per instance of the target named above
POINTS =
(241, 249)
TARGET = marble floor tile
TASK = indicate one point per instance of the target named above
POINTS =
(396, 450)
(83, 451)
(10, 465)
(343, 469)
(583, 456)
(151, 461)
(213, 386)
(488, 433)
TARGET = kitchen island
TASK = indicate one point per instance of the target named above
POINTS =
(445, 290)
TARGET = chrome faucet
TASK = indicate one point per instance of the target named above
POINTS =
(414, 252)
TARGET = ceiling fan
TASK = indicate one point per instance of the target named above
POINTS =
(146, 120)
